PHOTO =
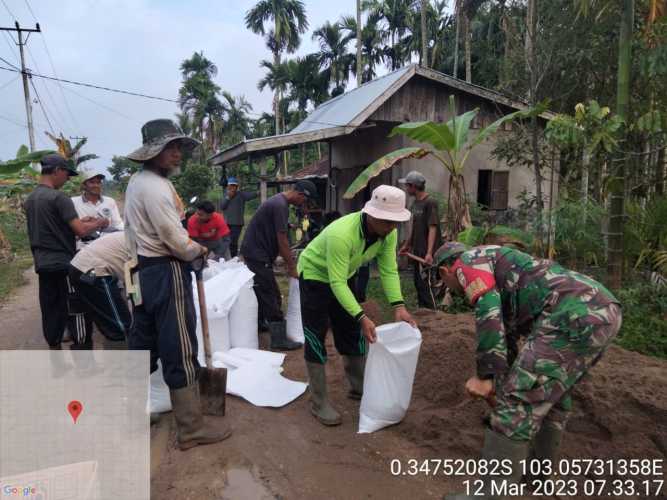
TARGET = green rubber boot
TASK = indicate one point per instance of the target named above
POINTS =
(545, 446)
(354, 369)
(501, 448)
(319, 403)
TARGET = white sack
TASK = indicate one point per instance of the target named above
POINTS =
(390, 372)
(263, 385)
(238, 356)
(293, 317)
(158, 394)
(243, 319)
(218, 332)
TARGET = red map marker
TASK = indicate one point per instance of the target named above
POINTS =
(74, 408)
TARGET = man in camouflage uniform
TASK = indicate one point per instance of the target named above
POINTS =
(567, 319)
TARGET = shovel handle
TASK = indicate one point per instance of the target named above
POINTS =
(204, 318)
(415, 258)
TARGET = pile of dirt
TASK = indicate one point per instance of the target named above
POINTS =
(620, 409)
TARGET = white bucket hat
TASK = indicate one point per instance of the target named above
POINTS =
(87, 173)
(387, 203)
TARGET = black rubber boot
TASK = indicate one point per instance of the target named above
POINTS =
(279, 340)
(500, 448)
(354, 369)
(320, 406)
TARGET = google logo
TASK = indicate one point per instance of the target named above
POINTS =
(18, 491)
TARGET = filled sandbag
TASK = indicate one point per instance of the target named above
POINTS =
(243, 319)
(293, 316)
(388, 378)
(159, 400)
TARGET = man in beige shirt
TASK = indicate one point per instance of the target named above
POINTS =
(95, 272)
(165, 321)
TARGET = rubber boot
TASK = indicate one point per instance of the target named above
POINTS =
(319, 402)
(279, 340)
(354, 369)
(500, 448)
(193, 429)
(545, 446)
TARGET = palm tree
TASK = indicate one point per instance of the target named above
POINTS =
(395, 15)
(372, 53)
(237, 124)
(198, 98)
(288, 22)
(422, 17)
(307, 84)
(466, 10)
(358, 64)
(333, 55)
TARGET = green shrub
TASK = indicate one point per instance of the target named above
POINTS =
(644, 319)
(578, 227)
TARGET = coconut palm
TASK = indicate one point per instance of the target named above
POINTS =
(306, 83)
(372, 53)
(395, 15)
(333, 55)
(282, 22)
(237, 124)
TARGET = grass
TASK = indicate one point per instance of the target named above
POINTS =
(644, 327)
(11, 273)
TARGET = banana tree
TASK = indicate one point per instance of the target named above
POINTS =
(71, 154)
(451, 146)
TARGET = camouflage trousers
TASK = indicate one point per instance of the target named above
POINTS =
(552, 360)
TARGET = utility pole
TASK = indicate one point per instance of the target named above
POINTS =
(25, 74)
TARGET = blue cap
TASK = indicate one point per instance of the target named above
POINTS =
(231, 181)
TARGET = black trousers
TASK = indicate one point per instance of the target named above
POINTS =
(104, 303)
(424, 295)
(61, 309)
(234, 239)
(165, 323)
(267, 291)
(319, 309)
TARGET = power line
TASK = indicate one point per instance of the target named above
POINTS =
(13, 121)
(53, 69)
(103, 106)
(9, 82)
(7, 62)
(12, 48)
(10, 12)
(48, 92)
(41, 105)
(99, 87)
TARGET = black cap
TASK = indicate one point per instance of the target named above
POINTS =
(306, 187)
(53, 161)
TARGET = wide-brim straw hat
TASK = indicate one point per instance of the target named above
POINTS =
(156, 135)
(387, 203)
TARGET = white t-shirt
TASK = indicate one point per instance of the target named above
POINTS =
(106, 207)
(106, 255)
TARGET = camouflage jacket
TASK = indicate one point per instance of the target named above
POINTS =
(515, 294)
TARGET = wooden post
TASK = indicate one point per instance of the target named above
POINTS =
(262, 181)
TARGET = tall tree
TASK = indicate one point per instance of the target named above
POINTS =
(333, 54)
(237, 123)
(422, 15)
(198, 98)
(358, 62)
(394, 14)
(372, 53)
(282, 22)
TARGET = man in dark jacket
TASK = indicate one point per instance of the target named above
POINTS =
(233, 206)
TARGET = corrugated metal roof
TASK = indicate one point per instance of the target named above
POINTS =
(341, 110)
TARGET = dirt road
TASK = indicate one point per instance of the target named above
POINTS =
(620, 412)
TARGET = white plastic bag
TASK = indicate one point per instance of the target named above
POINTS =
(243, 319)
(293, 317)
(159, 400)
(390, 372)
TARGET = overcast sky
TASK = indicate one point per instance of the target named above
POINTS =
(135, 45)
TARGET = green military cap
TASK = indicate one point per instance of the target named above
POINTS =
(448, 251)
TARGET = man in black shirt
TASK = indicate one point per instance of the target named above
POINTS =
(53, 225)
(425, 237)
(265, 239)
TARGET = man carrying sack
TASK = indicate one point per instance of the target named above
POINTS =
(164, 313)
(325, 268)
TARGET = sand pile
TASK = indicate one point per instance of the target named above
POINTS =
(620, 410)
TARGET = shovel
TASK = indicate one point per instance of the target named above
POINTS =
(212, 381)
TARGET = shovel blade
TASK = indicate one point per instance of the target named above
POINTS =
(213, 388)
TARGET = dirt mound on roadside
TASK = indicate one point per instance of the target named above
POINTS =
(620, 409)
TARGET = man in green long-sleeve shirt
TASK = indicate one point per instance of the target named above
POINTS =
(325, 267)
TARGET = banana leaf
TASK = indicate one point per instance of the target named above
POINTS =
(381, 164)
(17, 164)
(83, 158)
(438, 135)
(472, 236)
